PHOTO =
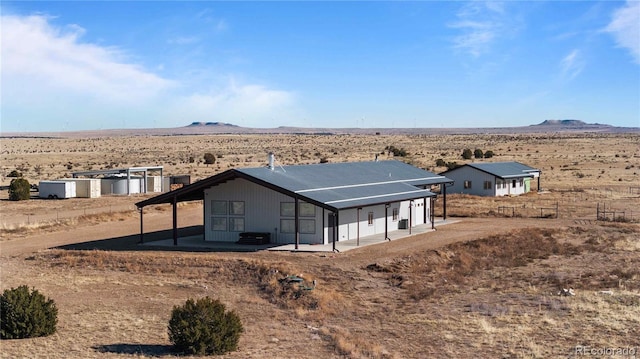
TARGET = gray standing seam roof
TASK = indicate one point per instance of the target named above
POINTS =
(505, 169)
(333, 186)
(350, 184)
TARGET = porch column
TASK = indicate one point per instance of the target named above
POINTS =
(432, 212)
(444, 201)
(358, 229)
(141, 209)
(386, 221)
(296, 224)
(175, 220)
(539, 175)
(411, 206)
(424, 210)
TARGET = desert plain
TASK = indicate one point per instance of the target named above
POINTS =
(485, 285)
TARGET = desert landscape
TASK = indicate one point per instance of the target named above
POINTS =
(485, 285)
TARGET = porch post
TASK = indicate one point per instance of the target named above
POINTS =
(386, 221)
(411, 206)
(433, 213)
(358, 229)
(175, 220)
(296, 224)
(444, 201)
(424, 210)
(141, 225)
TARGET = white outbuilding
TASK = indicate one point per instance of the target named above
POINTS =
(492, 179)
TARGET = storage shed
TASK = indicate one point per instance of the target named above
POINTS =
(86, 187)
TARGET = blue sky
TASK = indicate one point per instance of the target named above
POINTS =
(98, 65)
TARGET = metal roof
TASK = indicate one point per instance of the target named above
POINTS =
(330, 185)
(503, 169)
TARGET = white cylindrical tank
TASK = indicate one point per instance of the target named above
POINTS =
(118, 185)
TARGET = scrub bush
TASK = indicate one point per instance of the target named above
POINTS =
(19, 189)
(204, 327)
(26, 314)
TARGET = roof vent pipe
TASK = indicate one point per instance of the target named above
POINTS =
(271, 158)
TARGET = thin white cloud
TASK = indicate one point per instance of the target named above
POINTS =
(50, 76)
(572, 65)
(38, 55)
(480, 23)
(183, 40)
(244, 104)
(625, 28)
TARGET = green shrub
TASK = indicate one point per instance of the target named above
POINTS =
(488, 154)
(477, 153)
(467, 154)
(209, 158)
(26, 314)
(440, 162)
(204, 327)
(397, 152)
(19, 189)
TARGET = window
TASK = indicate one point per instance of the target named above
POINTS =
(395, 214)
(221, 212)
(236, 224)
(487, 184)
(513, 183)
(308, 226)
(219, 224)
(467, 184)
(287, 209)
(306, 209)
(236, 208)
(370, 219)
(521, 182)
(287, 226)
(219, 208)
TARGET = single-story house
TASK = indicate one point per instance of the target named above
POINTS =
(312, 204)
(492, 179)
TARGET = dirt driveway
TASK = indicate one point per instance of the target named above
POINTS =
(124, 235)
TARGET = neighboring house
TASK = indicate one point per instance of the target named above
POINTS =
(492, 179)
(313, 204)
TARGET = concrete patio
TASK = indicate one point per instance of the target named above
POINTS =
(197, 242)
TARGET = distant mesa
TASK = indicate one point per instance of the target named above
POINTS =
(567, 123)
(211, 124)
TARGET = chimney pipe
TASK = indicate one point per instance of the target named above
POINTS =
(271, 158)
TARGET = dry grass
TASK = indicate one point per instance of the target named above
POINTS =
(496, 296)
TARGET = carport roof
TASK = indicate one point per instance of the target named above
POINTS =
(330, 185)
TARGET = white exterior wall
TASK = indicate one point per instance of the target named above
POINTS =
(262, 214)
(499, 187)
(477, 178)
(59, 189)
